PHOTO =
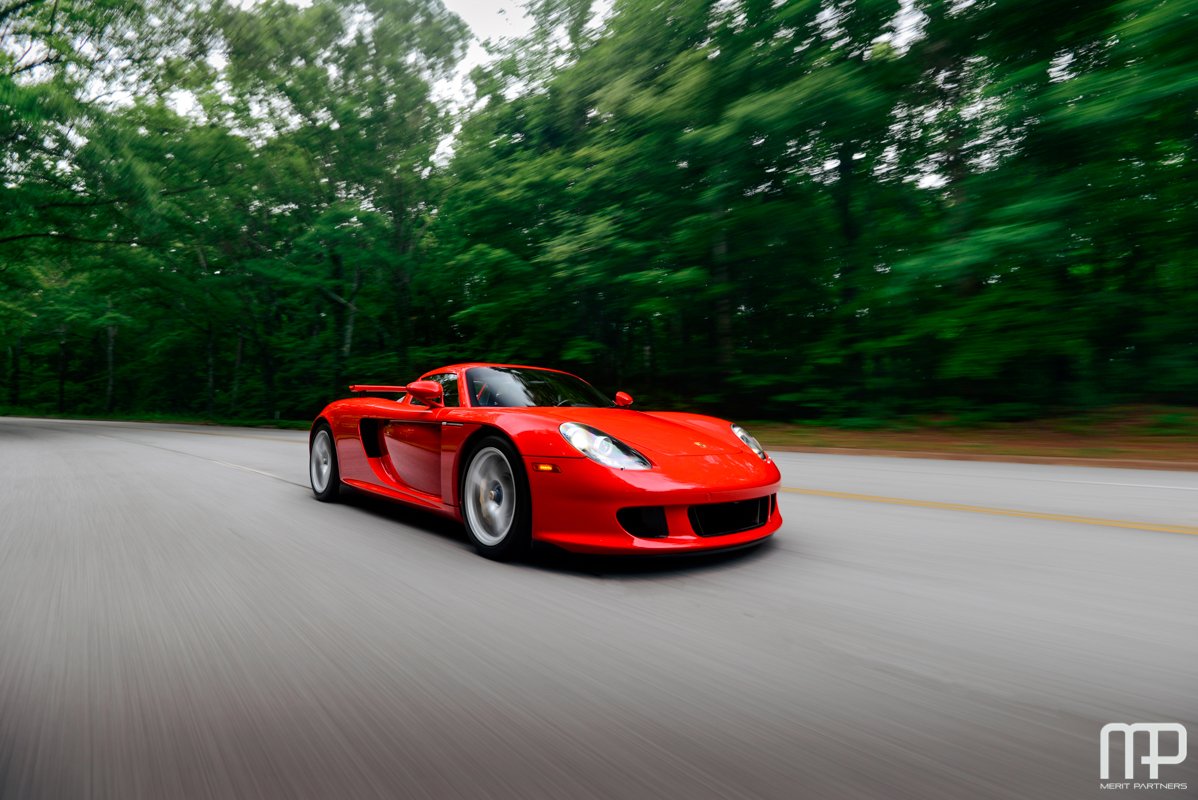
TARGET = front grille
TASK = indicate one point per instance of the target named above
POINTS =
(647, 522)
(719, 519)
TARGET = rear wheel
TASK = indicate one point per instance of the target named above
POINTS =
(495, 501)
(322, 465)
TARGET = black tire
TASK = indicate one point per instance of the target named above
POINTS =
(323, 474)
(496, 502)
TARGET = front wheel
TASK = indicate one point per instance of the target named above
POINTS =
(495, 501)
(322, 465)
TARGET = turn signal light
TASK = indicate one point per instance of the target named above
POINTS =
(545, 467)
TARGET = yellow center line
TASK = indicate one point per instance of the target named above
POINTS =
(1000, 512)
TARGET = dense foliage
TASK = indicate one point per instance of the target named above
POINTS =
(812, 208)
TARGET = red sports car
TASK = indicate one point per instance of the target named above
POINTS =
(522, 453)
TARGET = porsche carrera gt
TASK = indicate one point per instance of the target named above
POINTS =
(525, 454)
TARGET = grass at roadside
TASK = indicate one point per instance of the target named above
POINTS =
(178, 419)
(1133, 433)
(1148, 433)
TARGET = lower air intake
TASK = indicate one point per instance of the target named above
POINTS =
(646, 522)
(719, 519)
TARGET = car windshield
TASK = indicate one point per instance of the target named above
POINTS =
(515, 387)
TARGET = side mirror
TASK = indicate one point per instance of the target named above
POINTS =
(428, 392)
(623, 399)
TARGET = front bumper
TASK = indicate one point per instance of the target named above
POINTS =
(575, 507)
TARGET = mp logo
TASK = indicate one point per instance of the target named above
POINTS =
(1154, 759)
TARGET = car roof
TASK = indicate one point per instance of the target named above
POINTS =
(469, 364)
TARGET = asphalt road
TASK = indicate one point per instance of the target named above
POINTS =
(180, 619)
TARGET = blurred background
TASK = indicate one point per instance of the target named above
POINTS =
(861, 212)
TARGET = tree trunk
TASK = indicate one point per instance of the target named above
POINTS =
(852, 269)
(725, 351)
(403, 304)
(345, 314)
(210, 390)
(263, 340)
(62, 371)
(14, 374)
(650, 353)
(237, 372)
(402, 283)
(110, 356)
(850, 229)
(338, 311)
(351, 316)
(268, 376)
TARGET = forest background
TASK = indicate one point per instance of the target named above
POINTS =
(817, 210)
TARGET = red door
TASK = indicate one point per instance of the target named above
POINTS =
(413, 443)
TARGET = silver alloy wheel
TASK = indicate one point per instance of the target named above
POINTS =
(490, 494)
(320, 466)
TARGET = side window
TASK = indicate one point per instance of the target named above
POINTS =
(449, 387)
(449, 384)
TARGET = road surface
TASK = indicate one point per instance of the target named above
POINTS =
(179, 618)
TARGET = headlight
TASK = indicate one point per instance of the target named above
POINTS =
(598, 446)
(748, 439)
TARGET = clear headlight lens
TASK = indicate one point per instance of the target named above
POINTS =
(598, 446)
(748, 439)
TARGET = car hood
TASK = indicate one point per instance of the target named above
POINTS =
(646, 432)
